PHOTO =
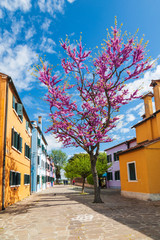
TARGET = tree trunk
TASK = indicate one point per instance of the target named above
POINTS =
(83, 185)
(97, 197)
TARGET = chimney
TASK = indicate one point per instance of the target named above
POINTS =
(148, 104)
(156, 89)
(40, 122)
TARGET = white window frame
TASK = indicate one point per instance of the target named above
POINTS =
(128, 171)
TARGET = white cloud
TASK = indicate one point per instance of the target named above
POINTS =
(125, 130)
(13, 5)
(116, 137)
(71, 1)
(47, 45)
(46, 24)
(30, 33)
(1, 14)
(51, 6)
(17, 26)
(52, 142)
(143, 84)
(130, 117)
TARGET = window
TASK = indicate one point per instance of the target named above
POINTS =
(26, 179)
(18, 108)
(27, 125)
(15, 178)
(39, 142)
(109, 158)
(117, 175)
(109, 176)
(16, 140)
(132, 171)
(27, 151)
(116, 156)
(38, 160)
(37, 179)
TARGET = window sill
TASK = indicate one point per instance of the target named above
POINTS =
(27, 184)
(17, 115)
(132, 180)
(13, 186)
(16, 149)
(27, 158)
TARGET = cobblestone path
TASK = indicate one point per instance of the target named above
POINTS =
(62, 213)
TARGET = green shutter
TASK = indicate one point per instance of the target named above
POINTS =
(12, 136)
(13, 103)
(30, 153)
(114, 156)
(20, 144)
(10, 179)
(27, 125)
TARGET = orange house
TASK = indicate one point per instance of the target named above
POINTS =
(140, 165)
(15, 145)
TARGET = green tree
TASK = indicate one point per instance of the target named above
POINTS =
(78, 165)
(101, 166)
(59, 159)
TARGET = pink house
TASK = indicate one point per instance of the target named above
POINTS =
(113, 174)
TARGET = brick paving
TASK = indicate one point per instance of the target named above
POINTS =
(62, 213)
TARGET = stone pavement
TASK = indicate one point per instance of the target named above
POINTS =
(62, 213)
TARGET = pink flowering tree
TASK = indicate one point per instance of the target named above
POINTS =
(86, 122)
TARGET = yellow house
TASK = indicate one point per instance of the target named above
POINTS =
(140, 165)
(15, 145)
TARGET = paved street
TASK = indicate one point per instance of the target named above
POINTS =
(63, 213)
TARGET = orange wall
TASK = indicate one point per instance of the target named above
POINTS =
(16, 161)
(153, 164)
(141, 185)
(2, 119)
(148, 130)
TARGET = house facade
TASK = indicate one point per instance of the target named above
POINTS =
(139, 166)
(15, 145)
(113, 174)
(39, 157)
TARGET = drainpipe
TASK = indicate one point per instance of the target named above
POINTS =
(4, 148)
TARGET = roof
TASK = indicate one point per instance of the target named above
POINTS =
(140, 145)
(125, 142)
(9, 79)
(144, 120)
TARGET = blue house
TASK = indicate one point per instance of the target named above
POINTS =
(38, 157)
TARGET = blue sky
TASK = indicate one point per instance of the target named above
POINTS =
(32, 29)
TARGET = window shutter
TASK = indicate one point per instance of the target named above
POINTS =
(12, 136)
(10, 179)
(27, 125)
(13, 103)
(30, 153)
(114, 156)
(25, 150)
(20, 144)
(107, 158)
(19, 109)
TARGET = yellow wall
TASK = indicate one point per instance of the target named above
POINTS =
(15, 160)
(141, 185)
(153, 164)
(149, 129)
(2, 119)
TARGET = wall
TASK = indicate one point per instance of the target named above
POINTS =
(153, 164)
(2, 125)
(141, 185)
(115, 164)
(15, 160)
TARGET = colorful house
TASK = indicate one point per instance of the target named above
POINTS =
(15, 145)
(113, 174)
(39, 157)
(50, 172)
(140, 165)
